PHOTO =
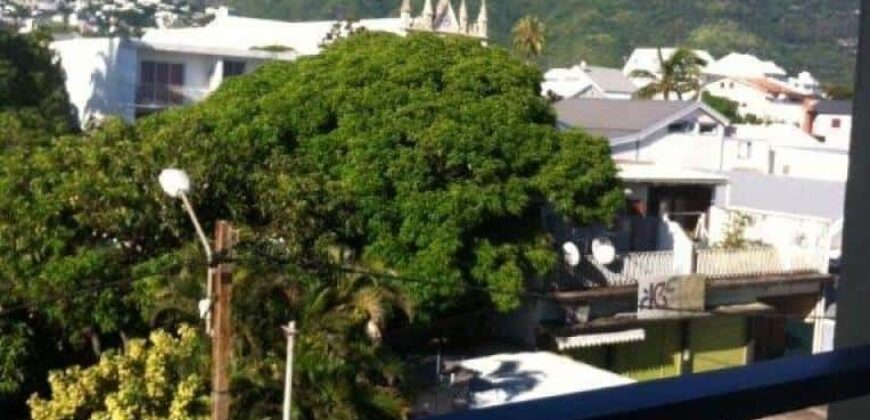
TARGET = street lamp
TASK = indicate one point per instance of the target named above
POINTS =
(176, 184)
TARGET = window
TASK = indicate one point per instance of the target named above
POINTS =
(744, 150)
(722, 85)
(731, 85)
(680, 127)
(708, 128)
(835, 123)
(233, 68)
(160, 83)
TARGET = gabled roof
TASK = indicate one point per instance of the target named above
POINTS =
(610, 80)
(619, 120)
(573, 81)
(834, 107)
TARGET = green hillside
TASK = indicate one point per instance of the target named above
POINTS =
(819, 35)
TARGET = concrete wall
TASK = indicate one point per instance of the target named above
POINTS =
(100, 76)
(784, 231)
(836, 137)
(828, 165)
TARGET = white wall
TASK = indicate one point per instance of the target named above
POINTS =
(685, 150)
(834, 137)
(821, 164)
(100, 76)
(781, 230)
(753, 101)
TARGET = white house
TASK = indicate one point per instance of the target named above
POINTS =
(783, 149)
(684, 134)
(170, 67)
(584, 81)
(767, 99)
(745, 66)
(831, 123)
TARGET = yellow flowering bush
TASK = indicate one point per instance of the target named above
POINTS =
(161, 378)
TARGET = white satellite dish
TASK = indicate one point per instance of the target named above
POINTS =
(603, 250)
(572, 253)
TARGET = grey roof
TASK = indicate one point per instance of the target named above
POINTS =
(801, 196)
(834, 107)
(611, 80)
(613, 118)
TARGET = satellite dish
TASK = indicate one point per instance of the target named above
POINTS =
(603, 250)
(572, 253)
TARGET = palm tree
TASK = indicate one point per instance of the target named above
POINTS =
(679, 74)
(528, 37)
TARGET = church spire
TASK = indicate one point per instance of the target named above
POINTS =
(482, 20)
(463, 18)
(405, 13)
(428, 15)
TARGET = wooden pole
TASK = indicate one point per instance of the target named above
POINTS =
(222, 327)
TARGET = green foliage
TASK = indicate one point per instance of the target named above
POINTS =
(735, 231)
(678, 74)
(721, 38)
(529, 36)
(424, 157)
(163, 378)
(33, 99)
(722, 105)
(815, 35)
(839, 92)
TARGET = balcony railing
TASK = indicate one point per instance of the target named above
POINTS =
(155, 95)
(627, 269)
(721, 263)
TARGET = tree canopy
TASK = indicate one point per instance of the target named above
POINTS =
(33, 99)
(421, 158)
(678, 74)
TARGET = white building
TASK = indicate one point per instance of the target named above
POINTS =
(745, 66)
(831, 123)
(764, 98)
(170, 67)
(686, 134)
(783, 149)
(584, 81)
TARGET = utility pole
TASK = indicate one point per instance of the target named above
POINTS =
(290, 330)
(222, 322)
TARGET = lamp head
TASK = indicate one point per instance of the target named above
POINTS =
(174, 182)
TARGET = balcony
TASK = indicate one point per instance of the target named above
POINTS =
(155, 96)
(713, 263)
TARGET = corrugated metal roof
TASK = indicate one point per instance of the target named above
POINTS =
(834, 107)
(611, 80)
(613, 117)
(783, 194)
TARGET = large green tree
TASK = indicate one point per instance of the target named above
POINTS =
(424, 158)
(33, 100)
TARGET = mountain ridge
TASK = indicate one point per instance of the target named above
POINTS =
(815, 35)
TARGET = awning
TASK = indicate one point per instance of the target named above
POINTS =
(600, 339)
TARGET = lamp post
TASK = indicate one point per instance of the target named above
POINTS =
(176, 184)
(290, 330)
